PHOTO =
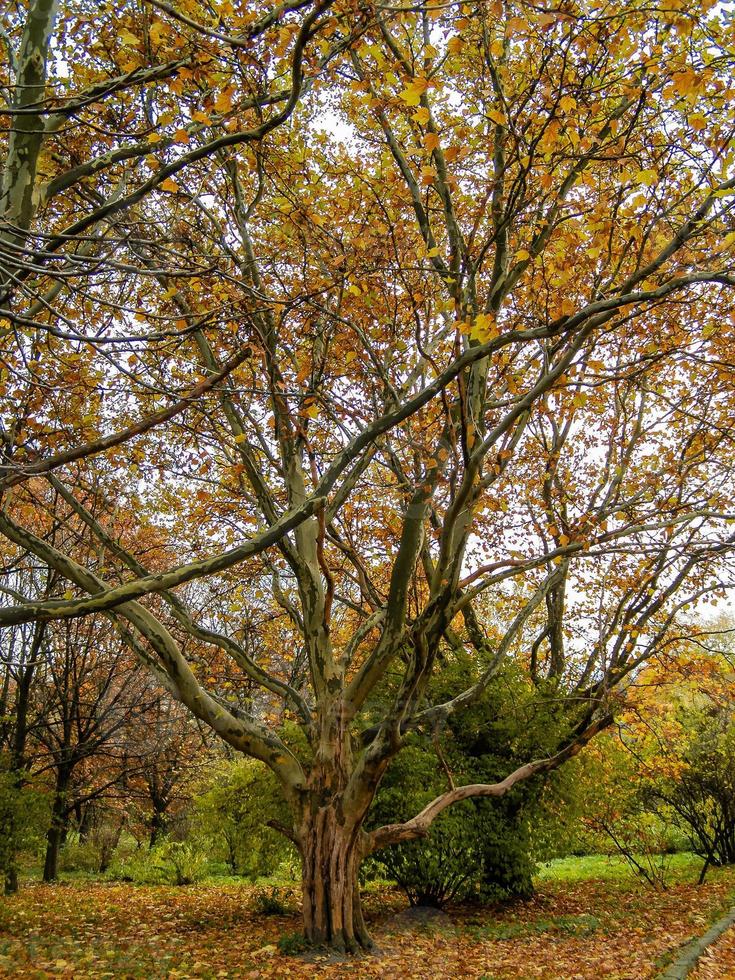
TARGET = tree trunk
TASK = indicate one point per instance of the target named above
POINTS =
(11, 880)
(18, 754)
(53, 845)
(108, 845)
(57, 829)
(331, 854)
(158, 827)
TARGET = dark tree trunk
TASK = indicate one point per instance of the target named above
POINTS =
(331, 852)
(11, 831)
(57, 829)
(18, 751)
(158, 827)
(108, 845)
(53, 846)
(85, 818)
(11, 880)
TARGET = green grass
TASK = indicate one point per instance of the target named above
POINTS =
(569, 925)
(682, 867)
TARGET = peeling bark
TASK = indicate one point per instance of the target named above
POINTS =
(332, 851)
(17, 196)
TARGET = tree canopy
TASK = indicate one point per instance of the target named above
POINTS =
(341, 342)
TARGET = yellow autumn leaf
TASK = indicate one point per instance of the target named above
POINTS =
(484, 328)
(497, 117)
(154, 137)
(431, 141)
(412, 93)
(181, 136)
(223, 102)
(455, 45)
(127, 37)
(157, 31)
(522, 254)
(647, 177)
(169, 185)
(685, 82)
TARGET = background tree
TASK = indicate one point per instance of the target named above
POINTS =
(87, 697)
(21, 654)
(238, 803)
(680, 751)
(170, 752)
(387, 402)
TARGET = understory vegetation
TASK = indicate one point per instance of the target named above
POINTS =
(642, 794)
(589, 919)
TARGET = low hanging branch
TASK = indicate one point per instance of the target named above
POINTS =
(419, 825)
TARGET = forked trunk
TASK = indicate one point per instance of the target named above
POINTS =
(331, 856)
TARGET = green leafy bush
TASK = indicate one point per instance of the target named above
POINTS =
(479, 848)
(24, 816)
(231, 815)
(482, 848)
(170, 862)
(106, 848)
(78, 855)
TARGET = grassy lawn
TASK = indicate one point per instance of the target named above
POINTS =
(591, 918)
(680, 867)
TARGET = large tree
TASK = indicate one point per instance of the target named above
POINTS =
(358, 338)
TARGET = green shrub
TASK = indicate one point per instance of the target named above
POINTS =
(104, 849)
(167, 863)
(78, 855)
(482, 848)
(475, 849)
(293, 944)
(24, 816)
(231, 815)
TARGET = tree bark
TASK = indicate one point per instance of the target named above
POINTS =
(53, 845)
(158, 827)
(57, 829)
(332, 850)
(11, 880)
